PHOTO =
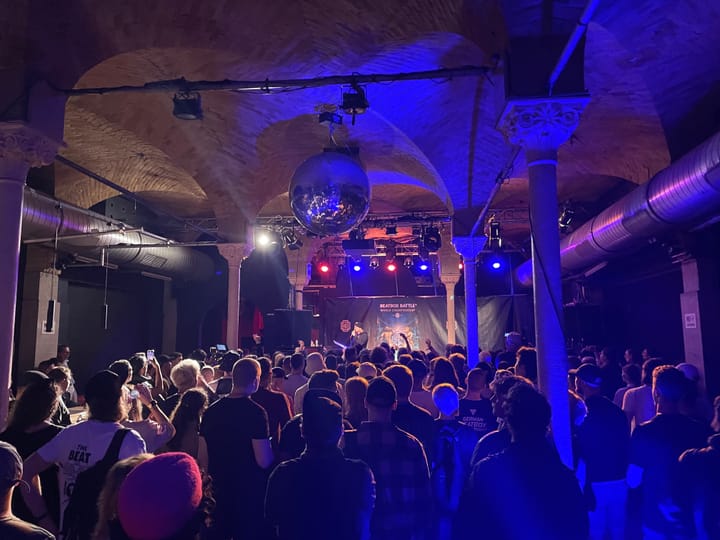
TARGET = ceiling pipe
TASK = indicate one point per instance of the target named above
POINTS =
(571, 45)
(267, 86)
(90, 234)
(681, 196)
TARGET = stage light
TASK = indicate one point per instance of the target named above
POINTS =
(354, 101)
(374, 263)
(432, 240)
(494, 236)
(324, 267)
(187, 106)
(290, 239)
(461, 265)
(356, 267)
(423, 266)
(566, 217)
(496, 262)
(408, 262)
(263, 238)
(391, 267)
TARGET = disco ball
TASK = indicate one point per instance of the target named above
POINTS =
(329, 193)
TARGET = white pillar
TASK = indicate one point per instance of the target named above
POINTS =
(450, 280)
(234, 254)
(540, 126)
(470, 247)
(21, 147)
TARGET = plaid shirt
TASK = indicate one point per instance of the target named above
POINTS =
(398, 462)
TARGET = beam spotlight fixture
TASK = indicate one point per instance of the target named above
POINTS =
(408, 262)
(187, 106)
(265, 238)
(324, 267)
(374, 263)
(432, 240)
(496, 262)
(290, 239)
(423, 266)
(356, 267)
(566, 217)
(354, 101)
(391, 267)
(494, 235)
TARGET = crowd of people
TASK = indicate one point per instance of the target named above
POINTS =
(366, 444)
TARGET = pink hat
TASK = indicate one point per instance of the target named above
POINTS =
(159, 496)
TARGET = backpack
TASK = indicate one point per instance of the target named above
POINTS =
(447, 474)
(81, 514)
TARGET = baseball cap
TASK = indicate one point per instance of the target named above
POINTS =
(590, 374)
(103, 384)
(381, 392)
(11, 465)
(160, 496)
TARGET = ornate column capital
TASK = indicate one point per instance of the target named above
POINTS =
(24, 147)
(539, 124)
(235, 253)
(469, 247)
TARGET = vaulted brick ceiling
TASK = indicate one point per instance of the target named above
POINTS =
(651, 68)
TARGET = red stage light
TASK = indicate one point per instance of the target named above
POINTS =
(391, 267)
(460, 265)
(324, 268)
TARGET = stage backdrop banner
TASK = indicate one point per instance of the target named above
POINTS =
(496, 316)
(384, 319)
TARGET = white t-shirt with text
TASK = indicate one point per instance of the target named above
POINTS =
(79, 446)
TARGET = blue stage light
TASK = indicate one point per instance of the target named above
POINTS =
(356, 267)
(423, 266)
(496, 265)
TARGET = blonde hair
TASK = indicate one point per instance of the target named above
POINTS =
(185, 375)
(107, 502)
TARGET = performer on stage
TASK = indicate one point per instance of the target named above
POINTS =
(359, 337)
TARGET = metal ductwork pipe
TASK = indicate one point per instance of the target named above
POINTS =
(44, 216)
(685, 194)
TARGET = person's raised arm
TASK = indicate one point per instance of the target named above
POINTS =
(156, 414)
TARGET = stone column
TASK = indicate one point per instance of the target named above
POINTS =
(449, 274)
(540, 126)
(234, 254)
(21, 147)
(470, 247)
(700, 306)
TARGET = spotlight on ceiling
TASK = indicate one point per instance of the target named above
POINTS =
(374, 263)
(423, 266)
(432, 240)
(408, 262)
(567, 214)
(265, 238)
(354, 101)
(187, 106)
(324, 267)
(290, 239)
(356, 267)
(391, 267)
(494, 235)
(461, 265)
(496, 262)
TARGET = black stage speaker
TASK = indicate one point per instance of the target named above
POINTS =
(284, 327)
